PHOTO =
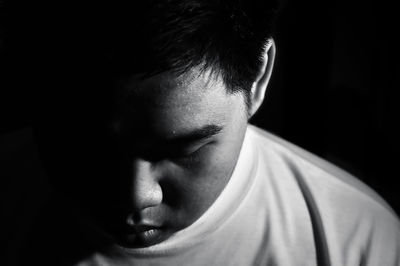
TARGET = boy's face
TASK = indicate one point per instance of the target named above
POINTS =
(169, 151)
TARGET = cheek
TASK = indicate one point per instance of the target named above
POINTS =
(194, 189)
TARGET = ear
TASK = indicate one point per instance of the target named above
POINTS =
(260, 84)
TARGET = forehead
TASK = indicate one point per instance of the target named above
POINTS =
(168, 90)
(167, 104)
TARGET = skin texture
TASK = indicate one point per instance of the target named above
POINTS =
(147, 159)
(156, 166)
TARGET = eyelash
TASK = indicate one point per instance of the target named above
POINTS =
(189, 158)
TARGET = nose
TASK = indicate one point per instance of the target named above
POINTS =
(145, 189)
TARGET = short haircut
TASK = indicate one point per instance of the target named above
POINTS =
(85, 50)
(224, 36)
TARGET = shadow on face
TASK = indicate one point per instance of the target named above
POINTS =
(158, 150)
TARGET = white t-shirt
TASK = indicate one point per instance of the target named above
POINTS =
(282, 206)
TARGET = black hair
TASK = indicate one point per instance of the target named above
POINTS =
(225, 36)
(84, 50)
(81, 51)
(115, 39)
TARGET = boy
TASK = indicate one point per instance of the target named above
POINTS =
(146, 140)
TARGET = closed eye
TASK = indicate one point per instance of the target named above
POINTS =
(180, 147)
(189, 157)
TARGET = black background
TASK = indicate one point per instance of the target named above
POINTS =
(333, 90)
(334, 87)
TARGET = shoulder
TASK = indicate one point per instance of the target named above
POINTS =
(322, 176)
(352, 214)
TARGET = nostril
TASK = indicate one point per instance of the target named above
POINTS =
(132, 219)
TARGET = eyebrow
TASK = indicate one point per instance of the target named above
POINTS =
(204, 132)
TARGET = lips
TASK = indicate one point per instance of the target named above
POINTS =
(138, 236)
(137, 229)
(133, 234)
